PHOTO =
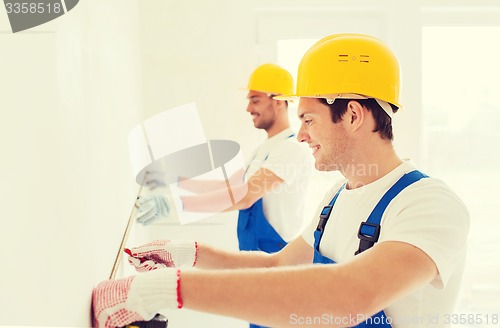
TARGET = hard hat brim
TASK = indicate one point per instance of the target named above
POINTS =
(382, 103)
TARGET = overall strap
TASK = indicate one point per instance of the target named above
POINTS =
(369, 231)
(327, 210)
(318, 233)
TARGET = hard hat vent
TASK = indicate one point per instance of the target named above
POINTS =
(344, 58)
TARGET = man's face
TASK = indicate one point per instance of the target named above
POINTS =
(328, 141)
(262, 109)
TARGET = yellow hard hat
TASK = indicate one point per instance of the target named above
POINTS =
(344, 64)
(271, 78)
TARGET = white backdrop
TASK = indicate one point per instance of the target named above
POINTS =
(70, 92)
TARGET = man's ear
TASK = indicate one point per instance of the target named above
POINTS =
(279, 103)
(355, 115)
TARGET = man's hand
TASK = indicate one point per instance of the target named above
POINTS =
(152, 208)
(116, 303)
(163, 253)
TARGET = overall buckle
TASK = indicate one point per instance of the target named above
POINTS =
(368, 234)
(323, 217)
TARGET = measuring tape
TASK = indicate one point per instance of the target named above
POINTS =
(158, 321)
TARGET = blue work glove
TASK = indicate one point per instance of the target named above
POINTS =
(152, 208)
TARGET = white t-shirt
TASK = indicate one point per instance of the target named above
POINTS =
(292, 162)
(426, 214)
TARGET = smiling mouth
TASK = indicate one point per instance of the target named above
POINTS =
(315, 149)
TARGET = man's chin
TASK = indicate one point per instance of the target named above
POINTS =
(320, 166)
(325, 167)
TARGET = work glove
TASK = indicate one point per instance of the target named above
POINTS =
(151, 208)
(116, 303)
(163, 253)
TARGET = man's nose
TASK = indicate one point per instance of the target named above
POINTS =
(302, 135)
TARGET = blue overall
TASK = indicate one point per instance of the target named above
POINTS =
(368, 234)
(255, 233)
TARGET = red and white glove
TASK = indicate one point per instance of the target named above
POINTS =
(163, 253)
(116, 303)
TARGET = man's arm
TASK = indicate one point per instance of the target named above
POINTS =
(206, 186)
(295, 253)
(365, 285)
(258, 185)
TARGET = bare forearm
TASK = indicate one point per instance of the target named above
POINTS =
(219, 201)
(235, 196)
(268, 297)
(297, 252)
(212, 258)
(208, 186)
(337, 292)
(202, 186)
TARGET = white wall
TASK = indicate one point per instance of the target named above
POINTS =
(70, 92)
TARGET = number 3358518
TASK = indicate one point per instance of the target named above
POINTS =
(32, 8)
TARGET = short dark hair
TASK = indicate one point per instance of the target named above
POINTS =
(383, 123)
(272, 95)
